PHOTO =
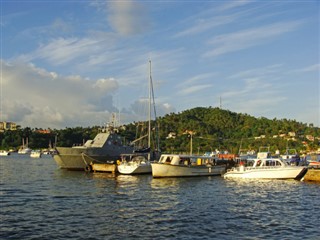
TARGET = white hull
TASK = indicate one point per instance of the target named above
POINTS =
(24, 151)
(35, 154)
(167, 170)
(265, 173)
(4, 153)
(134, 168)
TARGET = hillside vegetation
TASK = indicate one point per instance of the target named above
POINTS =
(209, 128)
(214, 128)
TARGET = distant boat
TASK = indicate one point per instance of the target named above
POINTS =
(175, 165)
(265, 167)
(35, 154)
(313, 159)
(4, 153)
(106, 147)
(24, 148)
(291, 157)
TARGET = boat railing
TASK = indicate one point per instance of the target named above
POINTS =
(254, 168)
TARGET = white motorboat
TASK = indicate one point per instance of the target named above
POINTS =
(4, 153)
(175, 165)
(35, 154)
(134, 164)
(266, 168)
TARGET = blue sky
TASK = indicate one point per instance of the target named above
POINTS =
(74, 63)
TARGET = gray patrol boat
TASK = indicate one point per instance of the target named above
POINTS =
(106, 147)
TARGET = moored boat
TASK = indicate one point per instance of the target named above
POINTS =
(104, 148)
(140, 162)
(35, 154)
(135, 163)
(266, 168)
(101, 167)
(291, 157)
(175, 165)
(4, 153)
(313, 160)
(24, 148)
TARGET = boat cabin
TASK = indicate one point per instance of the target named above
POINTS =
(187, 160)
(269, 162)
(135, 157)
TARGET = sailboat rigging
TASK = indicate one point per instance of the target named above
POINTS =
(139, 161)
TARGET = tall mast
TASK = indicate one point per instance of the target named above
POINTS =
(149, 127)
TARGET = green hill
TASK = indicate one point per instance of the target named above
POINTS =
(215, 128)
(210, 128)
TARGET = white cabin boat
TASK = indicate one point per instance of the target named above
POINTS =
(174, 165)
(266, 168)
(134, 164)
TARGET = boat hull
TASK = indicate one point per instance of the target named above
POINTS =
(168, 170)
(4, 153)
(267, 173)
(103, 167)
(142, 168)
(79, 158)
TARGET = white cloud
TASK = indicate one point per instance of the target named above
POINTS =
(37, 98)
(204, 25)
(193, 89)
(233, 4)
(244, 39)
(312, 68)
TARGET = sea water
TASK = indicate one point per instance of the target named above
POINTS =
(41, 201)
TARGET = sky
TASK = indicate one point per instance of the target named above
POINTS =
(76, 63)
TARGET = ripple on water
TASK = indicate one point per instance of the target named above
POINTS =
(39, 201)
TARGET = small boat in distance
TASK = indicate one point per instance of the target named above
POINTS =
(4, 153)
(36, 154)
(291, 157)
(175, 165)
(24, 148)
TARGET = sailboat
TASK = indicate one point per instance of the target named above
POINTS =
(139, 162)
(24, 149)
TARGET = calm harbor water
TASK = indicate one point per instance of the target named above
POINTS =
(40, 201)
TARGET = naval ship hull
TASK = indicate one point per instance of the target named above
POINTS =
(76, 158)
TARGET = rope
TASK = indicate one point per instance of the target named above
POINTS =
(92, 159)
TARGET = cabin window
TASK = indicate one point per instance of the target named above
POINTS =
(167, 160)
